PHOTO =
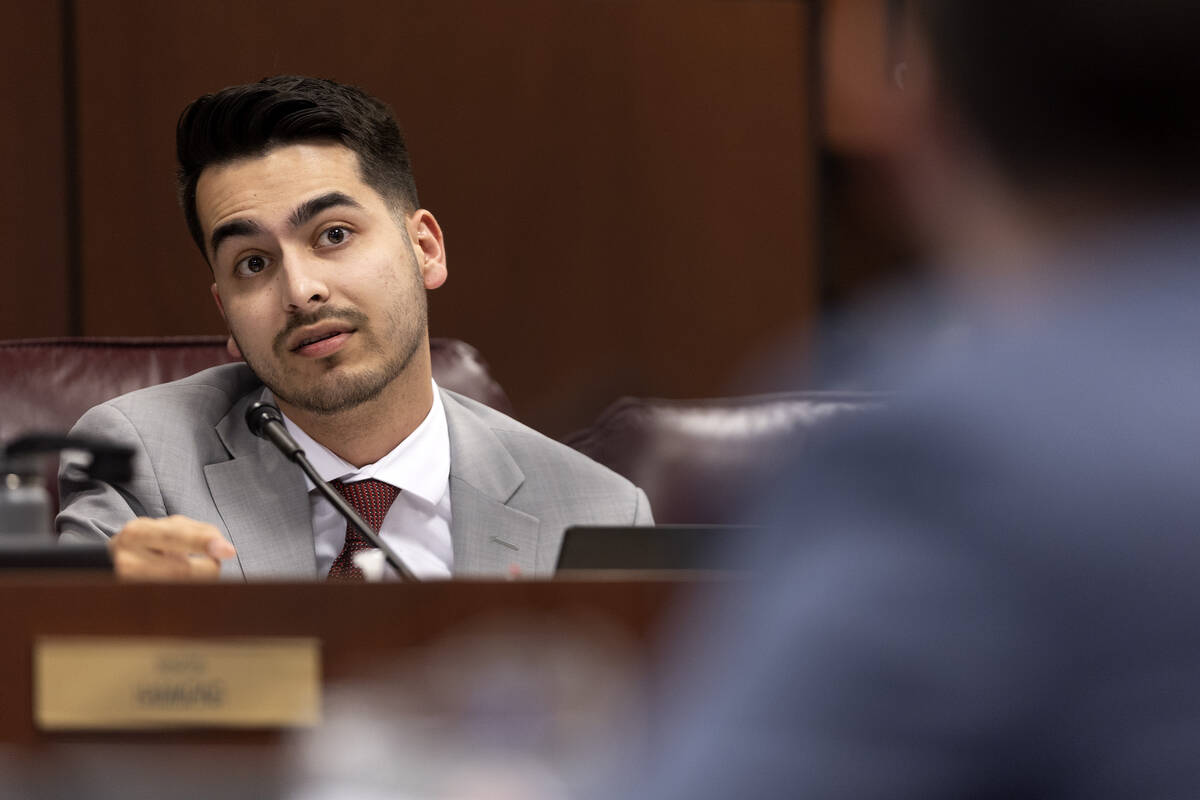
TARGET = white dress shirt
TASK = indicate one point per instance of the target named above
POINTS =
(417, 526)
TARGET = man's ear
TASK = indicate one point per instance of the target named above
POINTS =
(230, 345)
(429, 247)
(925, 150)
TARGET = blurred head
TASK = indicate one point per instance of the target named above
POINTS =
(1053, 105)
(1101, 91)
(249, 120)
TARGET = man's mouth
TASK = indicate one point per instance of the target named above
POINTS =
(320, 339)
(314, 339)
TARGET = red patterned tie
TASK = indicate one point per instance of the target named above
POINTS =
(371, 499)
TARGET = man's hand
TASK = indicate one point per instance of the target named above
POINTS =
(173, 548)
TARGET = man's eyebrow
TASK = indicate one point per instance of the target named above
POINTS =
(235, 227)
(302, 214)
(310, 208)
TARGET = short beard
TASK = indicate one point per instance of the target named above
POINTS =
(347, 392)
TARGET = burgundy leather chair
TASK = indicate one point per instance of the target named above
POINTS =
(700, 461)
(46, 384)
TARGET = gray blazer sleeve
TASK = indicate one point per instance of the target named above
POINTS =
(99, 511)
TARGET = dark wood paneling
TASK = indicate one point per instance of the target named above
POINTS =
(625, 186)
(33, 209)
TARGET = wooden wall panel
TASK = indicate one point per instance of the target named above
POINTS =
(33, 207)
(626, 187)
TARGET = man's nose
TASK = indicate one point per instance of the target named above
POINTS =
(304, 284)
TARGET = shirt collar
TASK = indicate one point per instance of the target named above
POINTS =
(419, 465)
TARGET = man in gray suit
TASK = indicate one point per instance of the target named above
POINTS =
(300, 195)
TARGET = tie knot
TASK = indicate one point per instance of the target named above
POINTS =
(370, 498)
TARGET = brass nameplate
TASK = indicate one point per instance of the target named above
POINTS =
(123, 683)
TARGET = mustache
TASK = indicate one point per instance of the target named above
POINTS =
(351, 316)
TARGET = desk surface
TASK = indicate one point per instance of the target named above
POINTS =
(362, 627)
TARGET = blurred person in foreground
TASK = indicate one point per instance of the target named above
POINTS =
(993, 588)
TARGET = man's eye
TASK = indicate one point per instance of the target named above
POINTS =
(332, 236)
(251, 265)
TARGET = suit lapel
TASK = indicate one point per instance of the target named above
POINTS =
(263, 501)
(489, 537)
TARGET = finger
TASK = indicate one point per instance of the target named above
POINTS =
(175, 534)
(150, 565)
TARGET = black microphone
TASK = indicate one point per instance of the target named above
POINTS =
(266, 422)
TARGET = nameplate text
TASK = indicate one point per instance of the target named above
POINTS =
(128, 683)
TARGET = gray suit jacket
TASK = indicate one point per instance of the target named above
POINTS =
(512, 490)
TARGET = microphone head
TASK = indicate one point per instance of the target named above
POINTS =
(259, 414)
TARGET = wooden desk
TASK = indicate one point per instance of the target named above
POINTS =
(361, 627)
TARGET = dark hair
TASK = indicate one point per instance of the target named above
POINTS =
(249, 120)
(1098, 90)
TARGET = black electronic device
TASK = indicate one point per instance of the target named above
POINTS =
(650, 547)
(24, 551)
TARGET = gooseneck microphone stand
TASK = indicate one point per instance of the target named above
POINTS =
(266, 422)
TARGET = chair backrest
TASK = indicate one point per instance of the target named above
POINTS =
(700, 460)
(46, 384)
